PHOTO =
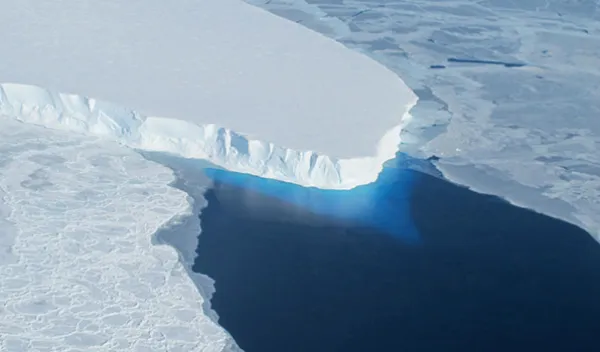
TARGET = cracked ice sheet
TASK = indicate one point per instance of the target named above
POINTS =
(84, 275)
(530, 135)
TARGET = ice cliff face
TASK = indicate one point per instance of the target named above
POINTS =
(216, 144)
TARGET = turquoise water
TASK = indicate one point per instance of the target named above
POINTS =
(364, 205)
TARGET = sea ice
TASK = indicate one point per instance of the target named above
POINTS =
(83, 272)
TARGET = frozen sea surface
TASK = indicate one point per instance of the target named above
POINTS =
(79, 267)
(509, 91)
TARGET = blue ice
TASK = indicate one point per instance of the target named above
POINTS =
(383, 205)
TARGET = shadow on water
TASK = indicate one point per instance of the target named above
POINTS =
(294, 275)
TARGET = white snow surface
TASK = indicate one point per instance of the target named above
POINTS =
(528, 134)
(304, 108)
(79, 269)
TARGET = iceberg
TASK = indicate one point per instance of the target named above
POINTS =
(220, 80)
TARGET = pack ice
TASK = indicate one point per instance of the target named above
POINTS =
(219, 80)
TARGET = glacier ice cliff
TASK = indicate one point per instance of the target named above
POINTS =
(219, 145)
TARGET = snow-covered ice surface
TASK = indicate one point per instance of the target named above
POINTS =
(303, 107)
(525, 126)
(82, 272)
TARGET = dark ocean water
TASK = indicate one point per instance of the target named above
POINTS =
(411, 263)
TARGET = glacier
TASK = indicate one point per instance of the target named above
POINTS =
(250, 91)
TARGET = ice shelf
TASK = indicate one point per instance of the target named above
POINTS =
(304, 108)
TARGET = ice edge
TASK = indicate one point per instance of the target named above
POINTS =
(187, 223)
(219, 145)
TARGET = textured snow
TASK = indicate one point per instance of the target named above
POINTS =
(529, 134)
(304, 108)
(83, 272)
